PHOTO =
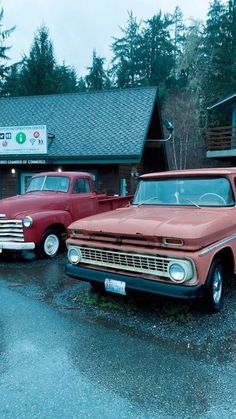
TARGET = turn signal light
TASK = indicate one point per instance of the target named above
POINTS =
(172, 241)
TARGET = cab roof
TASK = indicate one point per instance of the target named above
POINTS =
(192, 172)
(70, 174)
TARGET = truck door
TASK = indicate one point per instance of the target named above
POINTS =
(84, 202)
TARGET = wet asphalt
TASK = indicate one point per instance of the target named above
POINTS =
(67, 352)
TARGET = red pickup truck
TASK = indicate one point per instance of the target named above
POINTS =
(39, 218)
(177, 238)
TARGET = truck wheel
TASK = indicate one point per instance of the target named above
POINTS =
(50, 244)
(214, 287)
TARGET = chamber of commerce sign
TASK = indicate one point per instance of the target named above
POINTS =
(23, 140)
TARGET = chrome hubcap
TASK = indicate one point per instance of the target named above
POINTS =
(217, 286)
(51, 245)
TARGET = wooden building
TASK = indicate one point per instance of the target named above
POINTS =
(221, 140)
(113, 134)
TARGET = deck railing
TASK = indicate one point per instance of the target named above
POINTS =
(221, 138)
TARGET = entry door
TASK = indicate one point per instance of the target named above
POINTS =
(24, 181)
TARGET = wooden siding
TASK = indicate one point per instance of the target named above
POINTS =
(108, 176)
(8, 183)
(221, 138)
(108, 179)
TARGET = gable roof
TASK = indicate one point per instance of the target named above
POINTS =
(110, 124)
(223, 103)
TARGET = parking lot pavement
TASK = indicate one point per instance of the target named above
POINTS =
(69, 352)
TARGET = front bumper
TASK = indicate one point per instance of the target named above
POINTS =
(136, 283)
(16, 246)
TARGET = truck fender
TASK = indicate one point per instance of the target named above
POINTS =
(43, 221)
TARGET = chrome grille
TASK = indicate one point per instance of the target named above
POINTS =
(153, 265)
(11, 230)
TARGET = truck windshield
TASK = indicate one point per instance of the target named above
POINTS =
(49, 183)
(195, 191)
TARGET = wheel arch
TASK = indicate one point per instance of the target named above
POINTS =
(227, 257)
(52, 241)
(58, 227)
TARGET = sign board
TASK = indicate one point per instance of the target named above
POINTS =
(23, 140)
(25, 161)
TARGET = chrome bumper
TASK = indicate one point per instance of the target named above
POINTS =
(16, 246)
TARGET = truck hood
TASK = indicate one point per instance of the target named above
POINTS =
(31, 202)
(197, 227)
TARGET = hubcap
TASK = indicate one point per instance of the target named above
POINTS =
(217, 286)
(51, 245)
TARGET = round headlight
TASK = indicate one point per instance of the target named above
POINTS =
(177, 272)
(74, 255)
(27, 222)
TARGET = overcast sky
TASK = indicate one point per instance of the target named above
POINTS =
(76, 27)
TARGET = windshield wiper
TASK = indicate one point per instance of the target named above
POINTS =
(194, 203)
(147, 200)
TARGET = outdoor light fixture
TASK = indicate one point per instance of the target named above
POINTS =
(169, 126)
(13, 171)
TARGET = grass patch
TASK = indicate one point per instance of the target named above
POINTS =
(105, 302)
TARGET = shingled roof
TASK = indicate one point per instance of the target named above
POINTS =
(100, 125)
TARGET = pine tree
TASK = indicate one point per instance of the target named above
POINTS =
(229, 47)
(39, 74)
(178, 32)
(97, 78)
(218, 50)
(157, 50)
(38, 71)
(4, 34)
(81, 86)
(66, 79)
(12, 83)
(127, 59)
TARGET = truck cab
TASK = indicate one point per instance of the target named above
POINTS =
(38, 219)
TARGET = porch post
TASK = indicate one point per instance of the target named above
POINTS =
(233, 137)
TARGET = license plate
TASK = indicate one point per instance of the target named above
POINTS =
(113, 285)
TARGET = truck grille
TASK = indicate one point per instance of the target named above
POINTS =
(153, 265)
(11, 230)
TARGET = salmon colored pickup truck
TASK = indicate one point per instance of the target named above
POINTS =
(39, 218)
(177, 238)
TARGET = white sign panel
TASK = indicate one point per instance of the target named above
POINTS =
(23, 140)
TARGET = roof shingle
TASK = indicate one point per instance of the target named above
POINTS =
(96, 124)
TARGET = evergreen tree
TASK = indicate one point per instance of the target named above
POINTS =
(4, 34)
(179, 31)
(178, 36)
(81, 87)
(97, 79)
(157, 51)
(12, 83)
(66, 79)
(220, 50)
(229, 47)
(38, 72)
(127, 59)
